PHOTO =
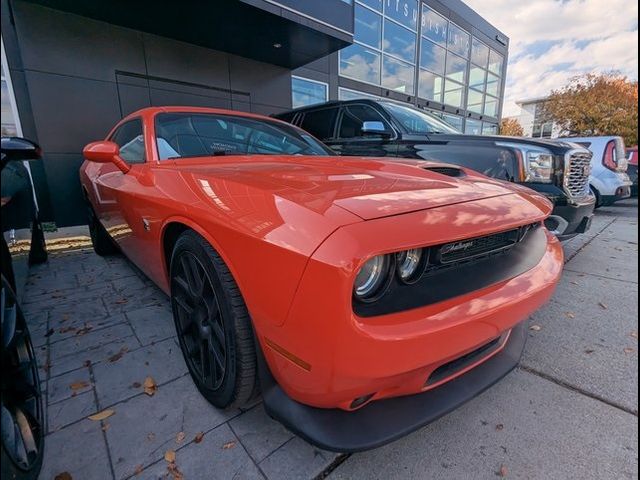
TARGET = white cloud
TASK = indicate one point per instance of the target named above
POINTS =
(552, 41)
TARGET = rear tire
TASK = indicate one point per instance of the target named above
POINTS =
(213, 324)
(102, 243)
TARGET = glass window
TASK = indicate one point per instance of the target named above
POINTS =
(402, 11)
(129, 138)
(320, 123)
(430, 86)
(459, 41)
(307, 92)
(474, 101)
(353, 116)
(491, 106)
(346, 94)
(368, 27)
(456, 68)
(360, 63)
(495, 62)
(547, 130)
(453, 93)
(493, 84)
(477, 77)
(479, 53)
(434, 25)
(375, 4)
(399, 41)
(473, 127)
(397, 75)
(204, 134)
(489, 128)
(453, 120)
(432, 56)
(416, 121)
(9, 124)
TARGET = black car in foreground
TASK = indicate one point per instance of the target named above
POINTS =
(384, 128)
(22, 244)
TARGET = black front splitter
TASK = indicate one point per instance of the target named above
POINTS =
(384, 421)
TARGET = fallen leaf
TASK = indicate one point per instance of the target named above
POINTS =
(105, 427)
(172, 468)
(535, 328)
(87, 363)
(150, 386)
(136, 384)
(499, 427)
(170, 456)
(570, 314)
(138, 470)
(118, 356)
(603, 305)
(79, 385)
(83, 330)
(228, 445)
(503, 471)
(63, 476)
(629, 350)
(589, 351)
(50, 332)
(573, 282)
(634, 334)
(122, 301)
(151, 436)
(198, 438)
(101, 415)
(180, 437)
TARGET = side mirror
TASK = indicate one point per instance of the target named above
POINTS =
(105, 152)
(375, 128)
(16, 148)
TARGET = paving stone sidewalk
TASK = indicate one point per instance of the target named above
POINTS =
(101, 328)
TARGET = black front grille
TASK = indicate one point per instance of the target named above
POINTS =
(462, 362)
(455, 253)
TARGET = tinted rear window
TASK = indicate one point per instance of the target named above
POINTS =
(319, 123)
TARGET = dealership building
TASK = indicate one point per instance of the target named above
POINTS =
(72, 69)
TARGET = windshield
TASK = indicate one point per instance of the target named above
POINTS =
(417, 121)
(187, 134)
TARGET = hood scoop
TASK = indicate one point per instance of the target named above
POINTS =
(448, 171)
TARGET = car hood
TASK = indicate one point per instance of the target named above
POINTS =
(557, 146)
(367, 187)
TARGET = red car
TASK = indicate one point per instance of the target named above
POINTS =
(364, 298)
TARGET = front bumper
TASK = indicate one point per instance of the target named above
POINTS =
(568, 219)
(383, 421)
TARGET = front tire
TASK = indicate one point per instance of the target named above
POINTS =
(212, 322)
(22, 412)
(102, 243)
(597, 195)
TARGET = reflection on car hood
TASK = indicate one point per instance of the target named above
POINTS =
(367, 187)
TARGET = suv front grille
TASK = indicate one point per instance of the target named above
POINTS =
(576, 178)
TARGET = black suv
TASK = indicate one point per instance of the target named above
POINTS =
(384, 128)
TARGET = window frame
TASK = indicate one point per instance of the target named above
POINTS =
(304, 79)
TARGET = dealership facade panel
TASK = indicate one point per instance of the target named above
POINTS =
(71, 69)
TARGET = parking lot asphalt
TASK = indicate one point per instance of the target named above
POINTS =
(103, 333)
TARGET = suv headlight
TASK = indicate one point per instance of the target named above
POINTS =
(538, 161)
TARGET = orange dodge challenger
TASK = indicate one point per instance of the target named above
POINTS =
(363, 298)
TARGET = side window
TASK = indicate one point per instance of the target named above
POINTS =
(354, 116)
(130, 139)
(319, 123)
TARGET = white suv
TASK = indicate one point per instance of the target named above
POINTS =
(608, 179)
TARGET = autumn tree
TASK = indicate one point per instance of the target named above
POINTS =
(511, 127)
(596, 104)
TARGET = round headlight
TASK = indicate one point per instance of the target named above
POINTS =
(409, 265)
(373, 278)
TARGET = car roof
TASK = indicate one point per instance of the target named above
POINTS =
(152, 111)
(336, 103)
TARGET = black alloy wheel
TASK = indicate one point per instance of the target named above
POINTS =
(212, 323)
(22, 429)
(199, 320)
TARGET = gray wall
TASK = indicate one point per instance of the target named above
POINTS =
(76, 77)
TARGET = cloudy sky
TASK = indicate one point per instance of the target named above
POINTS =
(553, 40)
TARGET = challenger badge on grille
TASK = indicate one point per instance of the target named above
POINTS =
(456, 247)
